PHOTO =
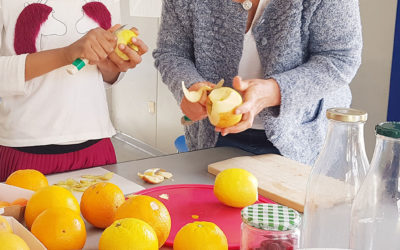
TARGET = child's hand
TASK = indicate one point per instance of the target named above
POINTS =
(115, 64)
(95, 46)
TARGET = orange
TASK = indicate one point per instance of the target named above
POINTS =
(129, 234)
(21, 201)
(151, 211)
(100, 202)
(48, 197)
(27, 178)
(10, 241)
(60, 228)
(200, 235)
(4, 204)
(236, 187)
(4, 225)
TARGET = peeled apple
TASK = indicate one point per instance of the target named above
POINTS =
(125, 37)
(221, 104)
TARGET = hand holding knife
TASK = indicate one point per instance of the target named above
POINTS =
(79, 63)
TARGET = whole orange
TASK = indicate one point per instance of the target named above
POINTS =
(200, 235)
(100, 202)
(60, 228)
(10, 241)
(48, 197)
(151, 211)
(129, 234)
(27, 178)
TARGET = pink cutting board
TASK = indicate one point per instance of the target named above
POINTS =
(187, 200)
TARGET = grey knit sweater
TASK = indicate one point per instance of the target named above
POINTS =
(312, 48)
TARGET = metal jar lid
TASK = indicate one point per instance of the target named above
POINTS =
(346, 115)
(272, 217)
(388, 129)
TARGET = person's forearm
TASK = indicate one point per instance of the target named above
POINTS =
(43, 62)
(109, 76)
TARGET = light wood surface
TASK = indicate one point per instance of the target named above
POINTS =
(280, 179)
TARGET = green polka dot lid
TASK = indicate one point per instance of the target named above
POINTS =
(271, 217)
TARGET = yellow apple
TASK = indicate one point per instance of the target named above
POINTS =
(125, 37)
(221, 105)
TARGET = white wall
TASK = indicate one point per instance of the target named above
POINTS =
(371, 86)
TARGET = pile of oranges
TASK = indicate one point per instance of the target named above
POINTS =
(53, 215)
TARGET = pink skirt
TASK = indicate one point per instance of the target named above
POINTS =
(98, 154)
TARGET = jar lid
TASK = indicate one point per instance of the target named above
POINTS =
(346, 115)
(271, 217)
(389, 129)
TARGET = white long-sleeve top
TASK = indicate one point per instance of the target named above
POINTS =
(55, 108)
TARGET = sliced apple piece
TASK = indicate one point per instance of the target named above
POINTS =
(164, 196)
(165, 174)
(156, 179)
(151, 171)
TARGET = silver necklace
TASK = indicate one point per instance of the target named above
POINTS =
(247, 4)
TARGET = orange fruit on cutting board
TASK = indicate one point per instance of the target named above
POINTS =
(200, 235)
(100, 202)
(236, 187)
(27, 178)
(5, 226)
(60, 228)
(129, 234)
(151, 211)
(48, 197)
(10, 241)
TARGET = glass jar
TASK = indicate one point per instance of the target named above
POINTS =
(269, 226)
(334, 181)
(376, 210)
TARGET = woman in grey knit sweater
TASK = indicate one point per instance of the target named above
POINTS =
(290, 59)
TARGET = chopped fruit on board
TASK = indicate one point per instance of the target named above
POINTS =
(82, 185)
(164, 196)
(155, 175)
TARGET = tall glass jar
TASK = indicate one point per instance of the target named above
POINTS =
(334, 181)
(376, 209)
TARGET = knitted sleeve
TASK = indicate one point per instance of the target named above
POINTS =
(335, 55)
(174, 55)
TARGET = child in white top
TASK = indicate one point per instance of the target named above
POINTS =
(51, 120)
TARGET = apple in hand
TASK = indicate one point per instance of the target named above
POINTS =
(125, 37)
(221, 104)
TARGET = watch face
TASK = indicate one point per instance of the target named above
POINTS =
(247, 4)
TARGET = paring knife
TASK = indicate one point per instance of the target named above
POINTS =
(79, 63)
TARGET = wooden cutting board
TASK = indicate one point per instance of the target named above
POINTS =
(280, 179)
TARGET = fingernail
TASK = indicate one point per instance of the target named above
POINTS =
(134, 39)
(122, 46)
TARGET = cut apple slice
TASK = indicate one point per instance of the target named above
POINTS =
(165, 174)
(194, 96)
(156, 179)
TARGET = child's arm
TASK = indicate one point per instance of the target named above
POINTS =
(95, 46)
